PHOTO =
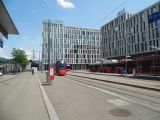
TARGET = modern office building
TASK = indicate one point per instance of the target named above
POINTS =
(6, 24)
(76, 46)
(135, 35)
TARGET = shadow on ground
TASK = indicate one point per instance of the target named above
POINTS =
(45, 83)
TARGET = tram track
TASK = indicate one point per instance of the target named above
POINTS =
(120, 75)
(111, 85)
(128, 92)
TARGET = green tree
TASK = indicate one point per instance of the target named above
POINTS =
(20, 57)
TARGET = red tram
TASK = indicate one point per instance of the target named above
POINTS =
(148, 65)
(113, 67)
(68, 67)
(60, 68)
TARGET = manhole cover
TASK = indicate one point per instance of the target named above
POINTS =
(120, 112)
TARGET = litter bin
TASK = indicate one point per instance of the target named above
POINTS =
(47, 77)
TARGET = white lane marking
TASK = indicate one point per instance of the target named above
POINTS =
(51, 111)
(155, 108)
(119, 102)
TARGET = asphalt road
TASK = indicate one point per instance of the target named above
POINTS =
(82, 99)
(21, 99)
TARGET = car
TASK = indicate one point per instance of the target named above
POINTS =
(0, 73)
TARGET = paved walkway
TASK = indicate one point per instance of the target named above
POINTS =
(73, 100)
(21, 99)
(146, 84)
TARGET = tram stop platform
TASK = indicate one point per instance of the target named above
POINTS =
(128, 80)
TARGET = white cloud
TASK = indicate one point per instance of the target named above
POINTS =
(29, 55)
(37, 55)
(21, 48)
(65, 3)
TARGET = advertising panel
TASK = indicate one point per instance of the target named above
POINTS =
(51, 73)
(154, 17)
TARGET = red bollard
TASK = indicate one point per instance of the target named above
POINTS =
(51, 74)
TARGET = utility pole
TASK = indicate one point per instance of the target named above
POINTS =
(49, 45)
(39, 61)
(42, 67)
(126, 53)
(49, 54)
(33, 55)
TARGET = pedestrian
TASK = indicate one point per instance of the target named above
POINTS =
(32, 71)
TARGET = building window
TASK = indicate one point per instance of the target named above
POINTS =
(158, 32)
(153, 35)
(143, 36)
(138, 38)
(83, 32)
(154, 9)
(116, 29)
(158, 23)
(145, 46)
(131, 29)
(149, 34)
(153, 42)
(142, 47)
(150, 44)
(142, 17)
(144, 26)
(157, 41)
(137, 47)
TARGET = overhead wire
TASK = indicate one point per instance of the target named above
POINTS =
(109, 14)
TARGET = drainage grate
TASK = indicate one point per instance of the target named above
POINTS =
(120, 112)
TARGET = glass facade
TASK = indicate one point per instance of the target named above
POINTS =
(131, 34)
(76, 46)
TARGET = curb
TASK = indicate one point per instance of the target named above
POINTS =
(137, 86)
(50, 109)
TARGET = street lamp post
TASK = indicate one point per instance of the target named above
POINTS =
(49, 43)
(126, 53)
(127, 56)
(49, 46)
(126, 65)
(37, 57)
(137, 68)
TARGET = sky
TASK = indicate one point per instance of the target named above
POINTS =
(28, 16)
